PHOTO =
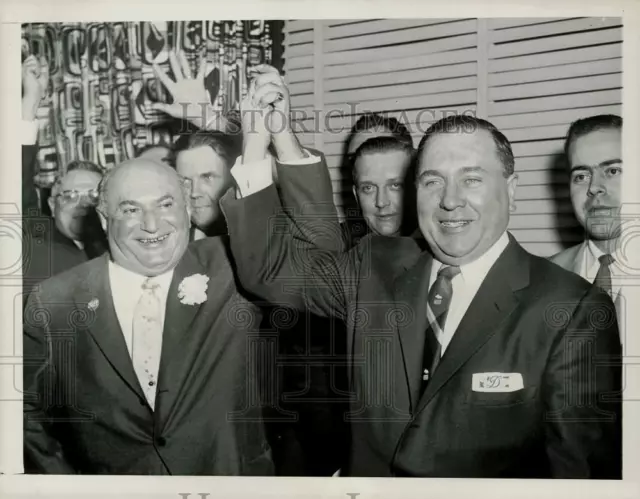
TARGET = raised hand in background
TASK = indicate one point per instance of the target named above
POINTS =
(271, 92)
(191, 100)
(35, 79)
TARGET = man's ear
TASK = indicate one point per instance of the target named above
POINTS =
(52, 206)
(355, 195)
(512, 184)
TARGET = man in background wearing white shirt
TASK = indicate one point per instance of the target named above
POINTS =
(593, 150)
(469, 356)
(143, 361)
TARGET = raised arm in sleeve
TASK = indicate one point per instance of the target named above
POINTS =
(278, 262)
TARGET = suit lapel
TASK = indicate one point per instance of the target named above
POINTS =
(492, 304)
(175, 361)
(105, 329)
(411, 292)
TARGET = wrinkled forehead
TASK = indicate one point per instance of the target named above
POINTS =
(460, 149)
(144, 183)
(80, 180)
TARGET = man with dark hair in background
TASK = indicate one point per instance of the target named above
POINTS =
(593, 149)
(204, 160)
(457, 369)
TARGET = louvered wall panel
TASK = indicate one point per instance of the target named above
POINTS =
(541, 76)
(414, 69)
(534, 76)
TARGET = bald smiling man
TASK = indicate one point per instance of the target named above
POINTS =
(146, 349)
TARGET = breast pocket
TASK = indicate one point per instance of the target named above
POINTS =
(502, 399)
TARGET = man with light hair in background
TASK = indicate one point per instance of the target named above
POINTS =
(383, 202)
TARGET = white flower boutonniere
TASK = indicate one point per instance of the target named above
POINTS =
(193, 289)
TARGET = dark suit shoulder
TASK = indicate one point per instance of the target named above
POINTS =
(557, 280)
(67, 282)
(211, 250)
(392, 254)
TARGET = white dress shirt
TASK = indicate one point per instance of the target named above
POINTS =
(590, 265)
(253, 177)
(198, 234)
(126, 289)
(465, 286)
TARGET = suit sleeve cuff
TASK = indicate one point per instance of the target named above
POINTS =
(252, 177)
(29, 132)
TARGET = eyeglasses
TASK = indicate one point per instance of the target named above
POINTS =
(73, 197)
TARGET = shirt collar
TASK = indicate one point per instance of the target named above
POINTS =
(594, 253)
(125, 275)
(477, 270)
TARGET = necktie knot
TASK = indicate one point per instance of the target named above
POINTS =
(150, 284)
(449, 272)
(606, 260)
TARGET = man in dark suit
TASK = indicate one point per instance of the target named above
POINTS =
(593, 149)
(72, 235)
(143, 361)
(469, 356)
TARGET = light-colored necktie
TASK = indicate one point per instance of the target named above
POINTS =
(147, 339)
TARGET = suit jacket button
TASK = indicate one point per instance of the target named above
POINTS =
(161, 441)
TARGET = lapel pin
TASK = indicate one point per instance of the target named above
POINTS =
(93, 304)
(425, 375)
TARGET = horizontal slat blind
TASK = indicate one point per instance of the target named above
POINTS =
(534, 76)
(413, 69)
(542, 76)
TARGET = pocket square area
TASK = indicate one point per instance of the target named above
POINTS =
(497, 382)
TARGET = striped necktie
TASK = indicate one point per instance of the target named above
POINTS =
(440, 296)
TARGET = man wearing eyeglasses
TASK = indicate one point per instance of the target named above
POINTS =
(73, 235)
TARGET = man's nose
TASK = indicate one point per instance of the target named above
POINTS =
(451, 198)
(597, 185)
(196, 189)
(382, 199)
(149, 222)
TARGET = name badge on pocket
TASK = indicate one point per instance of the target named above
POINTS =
(497, 382)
